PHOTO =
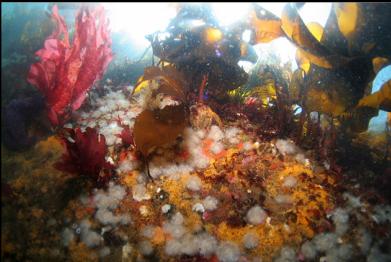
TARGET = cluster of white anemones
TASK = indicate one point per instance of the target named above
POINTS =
(105, 202)
(115, 106)
(184, 242)
(330, 245)
(170, 165)
(108, 114)
(288, 147)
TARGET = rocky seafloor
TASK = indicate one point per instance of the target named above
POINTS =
(222, 194)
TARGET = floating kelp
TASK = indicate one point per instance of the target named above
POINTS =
(380, 99)
(266, 26)
(336, 60)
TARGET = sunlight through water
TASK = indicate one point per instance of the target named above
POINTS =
(140, 19)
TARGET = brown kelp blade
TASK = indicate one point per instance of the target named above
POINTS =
(380, 99)
(265, 25)
(161, 124)
(307, 42)
(365, 26)
(150, 133)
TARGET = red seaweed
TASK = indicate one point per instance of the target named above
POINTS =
(85, 156)
(201, 89)
(127, 136)
(66, 72)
